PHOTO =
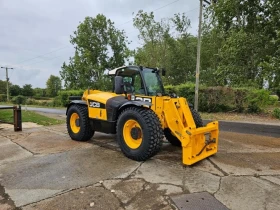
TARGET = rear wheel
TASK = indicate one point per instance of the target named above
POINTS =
(139, 133)
(78, 125)
(173, 139)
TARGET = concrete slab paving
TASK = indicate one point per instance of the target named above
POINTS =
(90, 198)
(273, 179)
(187, 177)
(47, 142)
(127, 189)
(250, 139)
(248, 163)
(4, 140)
(63, 171)
(248, 193)
(149, 199)
(24, 196)
(11, 152)
(64, 174)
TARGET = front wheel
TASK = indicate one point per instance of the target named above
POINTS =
(78, 125)
(173, 139)
(139, 133)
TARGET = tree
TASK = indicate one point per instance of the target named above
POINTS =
(39, 92)
(239, 43)
(167, 44)
(53, 86)
(99, 46)
(3, 87)
(15, 90)
(27, 90)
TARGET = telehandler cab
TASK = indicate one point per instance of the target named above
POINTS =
(140, 113)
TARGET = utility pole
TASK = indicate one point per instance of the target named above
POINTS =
(198, 58)
(7, 78)
(197, 72)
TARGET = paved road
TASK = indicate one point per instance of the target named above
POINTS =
(45, 110)
(249, 128)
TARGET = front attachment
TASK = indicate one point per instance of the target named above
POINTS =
(197, 143)
(200, 143)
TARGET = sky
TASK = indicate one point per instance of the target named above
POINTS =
(35, 34)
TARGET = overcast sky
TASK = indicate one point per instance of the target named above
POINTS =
(35, 34)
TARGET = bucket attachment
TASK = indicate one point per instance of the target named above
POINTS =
(197, 143)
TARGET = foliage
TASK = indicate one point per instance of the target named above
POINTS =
(3, 97)
(277, 91)
(224, 99)
(19, 99)
(39, 92)
(3, 87)
(167, 44)
(63, 97)
(53, 86)
(27, 90)
(29, 116)
(15, 90)
(240, 44)
(99, 47)
(276, 113)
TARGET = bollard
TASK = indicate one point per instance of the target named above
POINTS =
(17, 118)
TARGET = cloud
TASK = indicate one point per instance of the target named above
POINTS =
(29, 28)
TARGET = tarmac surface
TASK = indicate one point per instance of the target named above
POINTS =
(42, 168)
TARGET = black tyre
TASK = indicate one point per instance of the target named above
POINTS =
(173, 139)
(78, 125)
(139, 133)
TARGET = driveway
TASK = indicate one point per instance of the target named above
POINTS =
(41, 168)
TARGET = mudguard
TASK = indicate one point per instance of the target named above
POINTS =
(136, 103)
(76, 102)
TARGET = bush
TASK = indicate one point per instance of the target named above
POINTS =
(276, 113)
(63, 96)
(3, 97)
(19, 99)
(277, 92)
(223, 99)
(40, 98)
(273, 100)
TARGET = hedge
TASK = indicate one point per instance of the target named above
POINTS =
(224, 99)
(63, 97)
(3, 97)
(19, 99)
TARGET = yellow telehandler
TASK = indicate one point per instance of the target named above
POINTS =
(140, 113)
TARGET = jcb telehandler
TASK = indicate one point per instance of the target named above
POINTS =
(140, 113)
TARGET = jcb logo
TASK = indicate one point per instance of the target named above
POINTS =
(143, 99)
(94, 104)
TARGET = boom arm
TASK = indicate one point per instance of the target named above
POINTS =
(197, 143)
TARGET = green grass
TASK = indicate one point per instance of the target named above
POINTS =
(29, 116)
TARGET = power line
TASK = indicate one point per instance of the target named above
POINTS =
(132, 32)
(151, 11)
(165, 5)
(68, 46)
(44, 54)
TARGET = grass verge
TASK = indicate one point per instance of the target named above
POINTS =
(29, 116)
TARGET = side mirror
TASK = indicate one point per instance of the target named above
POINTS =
(163, 72)
(119, 85)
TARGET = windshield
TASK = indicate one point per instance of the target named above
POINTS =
(153, 82)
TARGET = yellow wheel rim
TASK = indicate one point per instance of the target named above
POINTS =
(135, 141)
(73, 124)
